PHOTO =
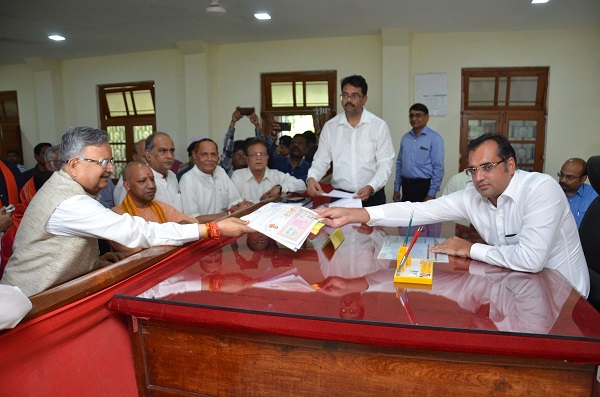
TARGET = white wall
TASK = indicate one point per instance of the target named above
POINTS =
(233, 78)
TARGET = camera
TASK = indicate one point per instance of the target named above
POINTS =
(245, 111)
(285, 126)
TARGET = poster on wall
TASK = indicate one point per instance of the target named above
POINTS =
(431, 89)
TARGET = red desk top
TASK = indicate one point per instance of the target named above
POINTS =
(471, 307)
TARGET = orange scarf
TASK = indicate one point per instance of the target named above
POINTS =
(130, 208)
(11, 184)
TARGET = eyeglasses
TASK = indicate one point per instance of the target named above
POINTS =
(259, 154)
(484, 168)
(569, 178)
(103, 163)
(354, 96)
(416, 115)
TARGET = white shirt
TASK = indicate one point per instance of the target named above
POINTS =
(251, 190)
(167, 190)
(361, 156)
(531, 228)
(205, 194)
(14, 305)
(84, 216)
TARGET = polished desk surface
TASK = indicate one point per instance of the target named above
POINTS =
(471, 306)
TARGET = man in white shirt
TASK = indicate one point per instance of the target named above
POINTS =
(207, 192)
(359, 145)
(523, 217)
(57, 240)
(258, 182)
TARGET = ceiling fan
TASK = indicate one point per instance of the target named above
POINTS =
(215, 8)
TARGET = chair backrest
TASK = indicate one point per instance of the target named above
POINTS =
(589, 231)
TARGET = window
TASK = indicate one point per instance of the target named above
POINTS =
(128, 114)
(511, 101)
(304, 99)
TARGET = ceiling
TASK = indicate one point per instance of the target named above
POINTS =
(105, 27)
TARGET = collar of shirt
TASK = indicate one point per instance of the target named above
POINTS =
(365, 118)
(267, 175)
(512, 189)
(425, 131)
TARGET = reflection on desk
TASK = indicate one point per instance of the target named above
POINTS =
(356, 286)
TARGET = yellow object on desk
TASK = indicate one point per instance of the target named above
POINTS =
(414, 271)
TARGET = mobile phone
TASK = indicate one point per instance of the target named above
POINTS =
(285, 126)
(245, 111)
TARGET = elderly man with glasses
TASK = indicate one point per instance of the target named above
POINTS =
(258, 182)
(572, 177)
(523, 217)
(58, 237)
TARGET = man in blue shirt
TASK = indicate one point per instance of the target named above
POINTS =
(420, 163)
(572, 177)
(294, 164)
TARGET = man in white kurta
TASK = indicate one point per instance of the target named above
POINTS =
(206, 189)
(259, 182)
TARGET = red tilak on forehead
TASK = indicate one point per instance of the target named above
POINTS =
(148, 175)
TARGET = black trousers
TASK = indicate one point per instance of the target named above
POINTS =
(415, 190)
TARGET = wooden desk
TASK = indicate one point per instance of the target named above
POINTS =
(480, 330)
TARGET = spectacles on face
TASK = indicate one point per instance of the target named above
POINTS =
(103, 163)
(355, 96)
(484, 168)
(569, 178)
(258, 154)
(416, 115)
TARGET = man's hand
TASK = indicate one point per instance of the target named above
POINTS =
(340, 216)
(255, 120)
(427, 198)
(396, 197)
(109, 258)
(275, 130)
(233, 227)
(339, 286)
(364, 193)
(5, 220)
(273, 193)
(313, 187)
(454, 246)
(235, 117)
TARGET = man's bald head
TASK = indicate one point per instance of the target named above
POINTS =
(138, 180)
(135, 166)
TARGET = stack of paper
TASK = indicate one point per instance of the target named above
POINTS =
(287, 224)
(288, 281)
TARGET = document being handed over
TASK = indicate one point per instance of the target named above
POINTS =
(287, 224)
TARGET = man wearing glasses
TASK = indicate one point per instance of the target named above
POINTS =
(420, 163)
(359, 145)
(572, 177)
(523, 217)
(258, 182)
(58, 236)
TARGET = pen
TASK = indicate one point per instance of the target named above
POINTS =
(414, 240)
(408, 230)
